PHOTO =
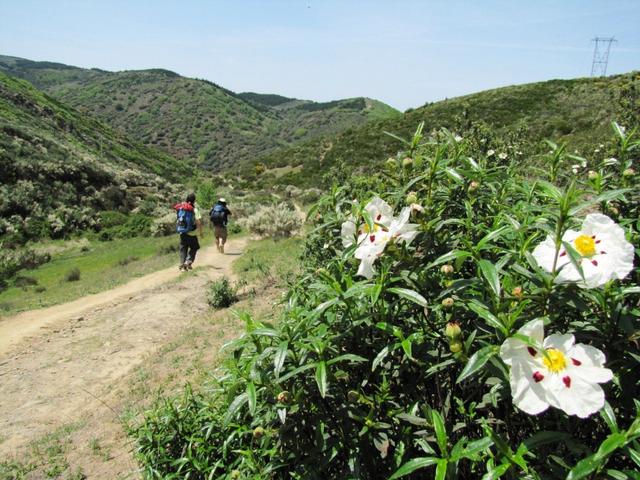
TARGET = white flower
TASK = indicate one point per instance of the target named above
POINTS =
(575, 168)
(372, 241)
(490, 153)
(458, 138)
(381, 215)
(604, 251)
(502, 156)
(611, 161)
(558, 373)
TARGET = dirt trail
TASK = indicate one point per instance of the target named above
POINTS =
(56, 364)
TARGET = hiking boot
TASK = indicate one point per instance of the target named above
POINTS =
(187, 265)
(182, 268)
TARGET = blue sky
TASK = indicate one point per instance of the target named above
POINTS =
(402, 52)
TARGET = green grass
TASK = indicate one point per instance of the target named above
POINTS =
(269, 259)
(104, 266)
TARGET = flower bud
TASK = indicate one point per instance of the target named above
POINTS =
(390, 163)
(629, 172)
(284, 397)
(235, 474)
(453, 331)
(407, 162)
(593, 175)
(353, 396)
(455, 347)
(258, 433)
(447, 302)
(473, 186)
(517, 292)
(447, 269)
(412, 197)
(614, 210)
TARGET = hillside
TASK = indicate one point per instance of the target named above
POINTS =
(191, 118)
(58, 167)
(577, 112)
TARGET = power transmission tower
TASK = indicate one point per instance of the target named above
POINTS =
(601, 55)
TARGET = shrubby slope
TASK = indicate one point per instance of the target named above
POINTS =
(59, 167)
(191, 118)
(577, 112)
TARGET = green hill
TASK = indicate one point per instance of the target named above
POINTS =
(58, 167)
(191, 118)
(577, 112)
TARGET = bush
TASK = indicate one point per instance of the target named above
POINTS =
(222, 293)
(275, 221)
(414, 348)
(14, 260)
(234, 228)
(72, 275)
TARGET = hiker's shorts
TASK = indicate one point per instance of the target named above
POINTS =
(220, 233)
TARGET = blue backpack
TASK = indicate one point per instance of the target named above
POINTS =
(186, 219)
(218, 215)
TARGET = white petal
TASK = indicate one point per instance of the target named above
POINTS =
(366, 268)
(514, 349)
(597, 222)
(544, 253)
(580, 398)
(348, 233)
(587, 355)
(528, 395)
(559, 342)
(380, 211)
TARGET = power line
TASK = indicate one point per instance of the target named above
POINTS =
(601, 51)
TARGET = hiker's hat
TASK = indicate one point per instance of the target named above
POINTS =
(222, 200)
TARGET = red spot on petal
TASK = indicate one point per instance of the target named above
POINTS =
(532, 351)
(359, 232)
(593, 236)
(598, 241)
(372, 238)
(378, 217)
(577, 363)
(602, 252)
(594, 262)
(538, 377)
(567, 381)
(563, 253)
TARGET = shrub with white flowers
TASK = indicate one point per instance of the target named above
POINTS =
(440, 331)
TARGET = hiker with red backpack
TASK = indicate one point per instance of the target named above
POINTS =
(219, 216)
(189, 226)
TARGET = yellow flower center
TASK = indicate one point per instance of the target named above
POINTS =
(554, 360)
(585, 245)
(365, 228)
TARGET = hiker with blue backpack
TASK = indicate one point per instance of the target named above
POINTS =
(189, 226)
(219, 218)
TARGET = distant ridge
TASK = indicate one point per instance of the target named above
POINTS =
(191, 118)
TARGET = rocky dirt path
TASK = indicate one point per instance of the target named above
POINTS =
(57, 364)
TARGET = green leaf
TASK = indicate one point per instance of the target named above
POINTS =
(441, 469)
(280, 357)
(477, 361)
(321, 378)
(441, 432)
(235, 406)
(347, 356)
(447, 257)
(609, 417)
(485, 314)
(490, 274)
(379, 358)
(406, 346)
(415, 297)
(251, 396)
(296, 371)
(413, 465)
(491, 236)
(583, 468)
